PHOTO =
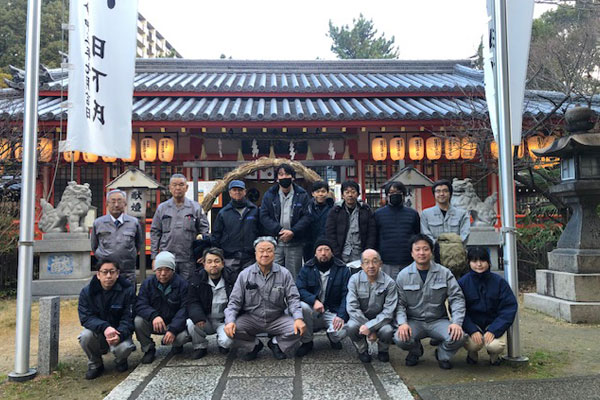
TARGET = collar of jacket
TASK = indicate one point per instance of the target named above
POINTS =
(229, 206)
(297, 189)
(433, 267)
(186, 202)
(337, 263)
(201, 276)
(438, 210)
(360, 204)
(121, 284)
(328, 202)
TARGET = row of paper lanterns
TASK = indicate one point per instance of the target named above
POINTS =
(452, 147)
(44, 150)
(150, 150)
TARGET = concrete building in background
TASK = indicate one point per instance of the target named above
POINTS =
(151, 43)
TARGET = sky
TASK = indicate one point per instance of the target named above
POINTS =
(296, 30)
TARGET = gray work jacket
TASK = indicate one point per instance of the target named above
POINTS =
(426, 301)
(457, 220)
(121, 244)
(175, 228)
(371, 305)
(264, 297)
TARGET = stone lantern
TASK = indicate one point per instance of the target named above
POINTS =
(570, 288)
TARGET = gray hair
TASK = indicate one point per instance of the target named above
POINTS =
(269, 239)
(116, 191)
(177, 176)
(363, 253)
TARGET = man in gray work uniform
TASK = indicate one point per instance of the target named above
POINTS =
(176, 224)
(118, 236)
(258, 303)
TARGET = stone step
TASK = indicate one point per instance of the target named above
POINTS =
(570, 311)
(567, 285)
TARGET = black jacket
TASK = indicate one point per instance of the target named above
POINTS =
(338, 223)
(309, 286)
(270, 212)
(171, 307)
(395, 227)
(199, 301)
(98, 309)
(235, 233)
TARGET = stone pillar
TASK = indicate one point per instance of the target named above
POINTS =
(48, 337)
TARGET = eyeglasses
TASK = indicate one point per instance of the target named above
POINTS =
(440, 191)
(371, 262)
(106, 272)
(265, 251)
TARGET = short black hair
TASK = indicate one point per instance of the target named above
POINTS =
(478, 253)
(396, 185)
(442, 182)
(287, 168)
(101, 261)
(215, 251)
(319, 185)
(350, 184)
(418, 237)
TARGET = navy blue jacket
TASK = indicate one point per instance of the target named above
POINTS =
(309, 286)
(235, 233)
(98, 309)
(395, 227)
(318, 215)
(270, 213)
(200, 295)
(171, 307)
(491, 304)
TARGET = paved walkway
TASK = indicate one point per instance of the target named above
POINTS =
(323, 374)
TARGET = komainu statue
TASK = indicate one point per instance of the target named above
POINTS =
(464, 196)
(72, 209)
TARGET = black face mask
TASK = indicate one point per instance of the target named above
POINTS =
(238, 203)
(285, 182)
(396, 200)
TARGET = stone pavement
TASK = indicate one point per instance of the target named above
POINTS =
(323, 374)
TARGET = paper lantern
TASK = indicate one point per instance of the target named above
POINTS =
(68, 154)
(433, 148)
(452, 148)
(520, 150)
(379, 149)
(416, 148)
(133, 152)
(4, 149)
(90, 157)
(148, 149)
(109, 159)
(468, 148)
(397, 148)
(494, 149)
(166, 149)
(45, 149)
(535, 142)
(19, 151)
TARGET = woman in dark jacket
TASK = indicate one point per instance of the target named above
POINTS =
(491, 307)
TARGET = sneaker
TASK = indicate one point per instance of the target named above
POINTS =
(383, 356)
(304, 349)
(254, 353)
(223, 350)
(277, 353)
(364, 357)
(435, 342)
(199, 353)
(93, 373)
(122, 367)
(334, 345)
(176, 350)
(443, 364)
(412, 359)
(472, 357)
(149, 356)
(495, 360)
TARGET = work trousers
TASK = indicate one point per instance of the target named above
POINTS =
(211, 327)
(438, 330)
(185, 269)
(144, 331)
(94, 345)
(289, 255)
(315, 321)
(247, 327)
(384, 336)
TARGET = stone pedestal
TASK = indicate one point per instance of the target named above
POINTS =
(488, 237)
(64, 264)
(48, 335)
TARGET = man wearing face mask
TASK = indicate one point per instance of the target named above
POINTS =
(284, 215)
(396, 224)
(236, 228)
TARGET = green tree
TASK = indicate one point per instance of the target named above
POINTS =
(360, 41)
(13, 19)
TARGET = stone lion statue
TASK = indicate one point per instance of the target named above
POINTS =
(72, 209)
(464, 196)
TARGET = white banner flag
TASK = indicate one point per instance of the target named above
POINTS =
(102, 50)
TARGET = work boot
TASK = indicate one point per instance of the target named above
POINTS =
(443, 364)
(223, 350)
(254, 353)
(176, 350)
(277, 353)
(93, 373)
(304, 349)
(412, 359)
(122, 367)
(149, 356)
(334, 345)
(364, 357)
(199, 353)
(383, 356)
(495, 360)
(472, 357)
